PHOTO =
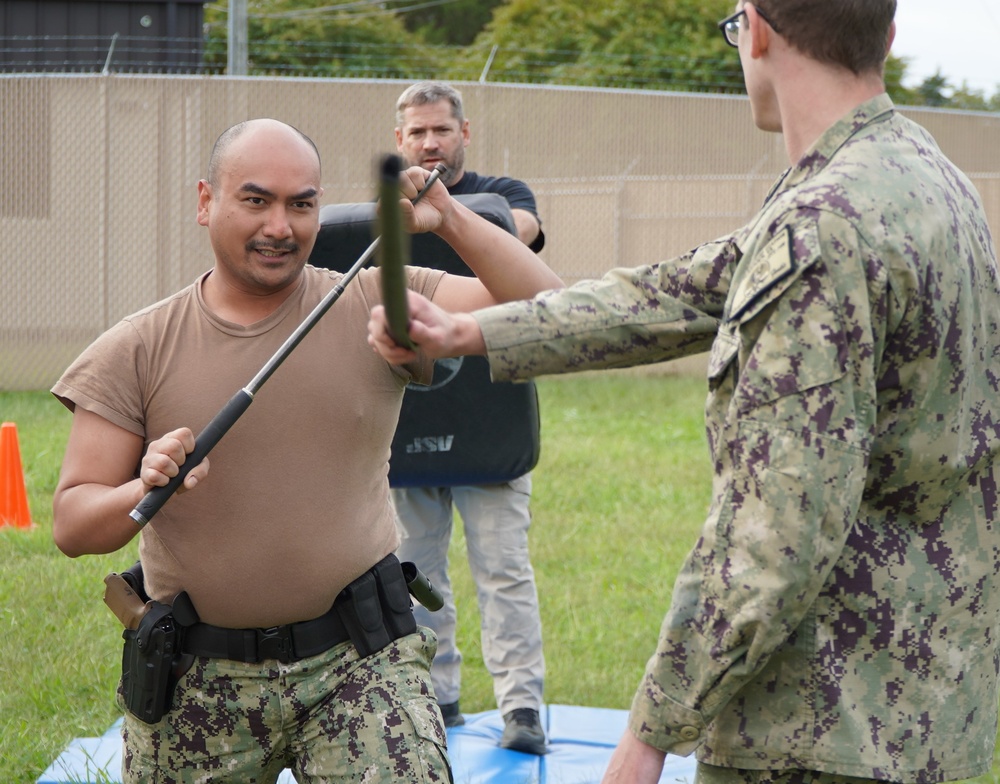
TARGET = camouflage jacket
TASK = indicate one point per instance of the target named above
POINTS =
(839, 611)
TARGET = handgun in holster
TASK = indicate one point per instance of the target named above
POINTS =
(152, 662)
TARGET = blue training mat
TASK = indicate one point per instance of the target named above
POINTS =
(580, 744)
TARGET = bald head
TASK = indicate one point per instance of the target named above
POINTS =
(260, 204)
(263, 129)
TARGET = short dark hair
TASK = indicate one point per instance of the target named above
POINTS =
(423, 93)
(850, 33)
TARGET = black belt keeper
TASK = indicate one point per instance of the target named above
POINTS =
(372, 611)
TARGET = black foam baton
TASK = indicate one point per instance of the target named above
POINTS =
(393, 253)
(206, 440)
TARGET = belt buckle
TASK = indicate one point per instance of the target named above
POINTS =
(275, 642)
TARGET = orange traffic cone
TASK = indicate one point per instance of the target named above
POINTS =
(13, 495)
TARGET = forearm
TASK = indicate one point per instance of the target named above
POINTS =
(504, 265)
(634, 762)
(614, 322)
(468, 337)
(98, 487)
(438, 333)
(93, 519)
(629, 317)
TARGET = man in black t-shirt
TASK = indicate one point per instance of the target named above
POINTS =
(518, 196)
(431, 128)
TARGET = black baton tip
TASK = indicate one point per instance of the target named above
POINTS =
(390, 168)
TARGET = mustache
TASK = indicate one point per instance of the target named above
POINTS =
(281, 246)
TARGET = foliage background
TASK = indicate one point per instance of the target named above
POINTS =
(637, 44)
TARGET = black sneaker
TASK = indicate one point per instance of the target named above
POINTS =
(523, 732)
(452, 715)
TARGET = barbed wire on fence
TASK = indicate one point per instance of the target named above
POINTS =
(144, 54)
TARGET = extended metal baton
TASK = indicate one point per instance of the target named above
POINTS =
(240, 402)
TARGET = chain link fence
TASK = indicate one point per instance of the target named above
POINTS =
(207, 56)
(100, 174)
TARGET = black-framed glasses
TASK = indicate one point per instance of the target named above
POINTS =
(730, 26)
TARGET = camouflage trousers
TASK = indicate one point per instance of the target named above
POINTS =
(712, 774)
(334, 717)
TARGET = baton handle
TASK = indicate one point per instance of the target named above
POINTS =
(422, 589)
(207, 438)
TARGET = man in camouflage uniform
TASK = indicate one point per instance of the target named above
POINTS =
(837, 618)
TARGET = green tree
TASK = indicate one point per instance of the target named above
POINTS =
(313, 37)
(931, 91)
(660, 44)
(649, 44)
(453, 22)
(966, 97)
(895, 72)
(935, 91)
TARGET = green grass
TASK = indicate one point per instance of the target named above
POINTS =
(59, 644)
(619, 495)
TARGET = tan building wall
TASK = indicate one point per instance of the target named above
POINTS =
(98, 180)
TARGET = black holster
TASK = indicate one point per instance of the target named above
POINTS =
(152, 661)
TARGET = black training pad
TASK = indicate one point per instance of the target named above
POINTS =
(463, 429)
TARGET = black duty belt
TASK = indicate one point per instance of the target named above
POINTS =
(371, 611)
(287, 643)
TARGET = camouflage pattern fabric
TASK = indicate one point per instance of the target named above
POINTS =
(710, 774)
(334, 717)
(839, 611)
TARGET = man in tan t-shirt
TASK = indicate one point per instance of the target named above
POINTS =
(292, 509)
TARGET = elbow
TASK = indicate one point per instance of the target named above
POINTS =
(60, 536)
(65, 541)
(66, 546)
(65, 534)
